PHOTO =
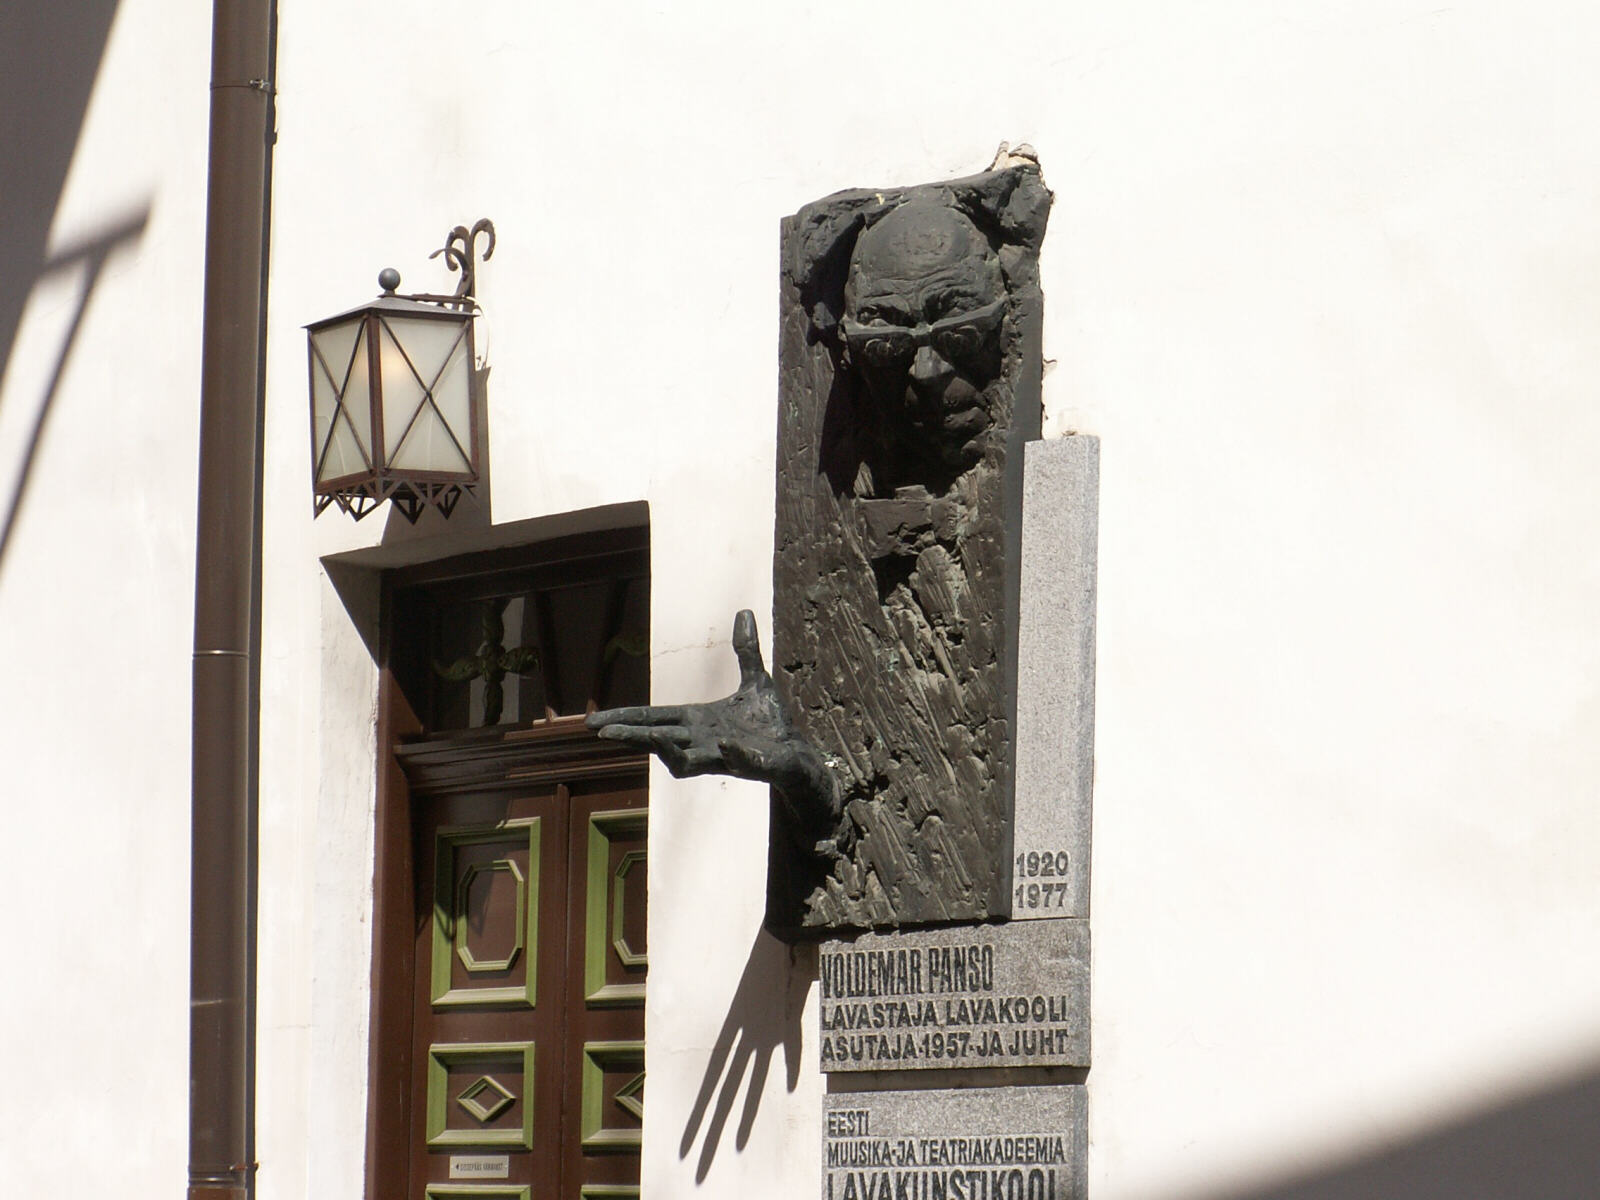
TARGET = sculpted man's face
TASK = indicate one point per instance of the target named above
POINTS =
(923, 308)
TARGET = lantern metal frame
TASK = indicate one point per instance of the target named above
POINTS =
(410, 489)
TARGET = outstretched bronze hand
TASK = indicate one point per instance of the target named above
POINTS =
(746, 735)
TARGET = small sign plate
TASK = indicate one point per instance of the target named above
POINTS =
(1014, 995)
(1027, 1143)
(480, 1166)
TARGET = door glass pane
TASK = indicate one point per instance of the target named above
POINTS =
(528, 646)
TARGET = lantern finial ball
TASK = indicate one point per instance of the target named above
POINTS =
(388, 279)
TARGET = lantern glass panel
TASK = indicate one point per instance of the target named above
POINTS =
(419, 435)
(341, 407)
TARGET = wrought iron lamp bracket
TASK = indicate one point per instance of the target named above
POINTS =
(460, 254)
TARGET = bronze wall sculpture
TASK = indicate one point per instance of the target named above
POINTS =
(910, 379)
(910, 372)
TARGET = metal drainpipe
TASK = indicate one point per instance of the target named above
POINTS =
(227, 606)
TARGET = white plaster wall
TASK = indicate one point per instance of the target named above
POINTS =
(1329, 304)
(96, 603)
(1321, 276)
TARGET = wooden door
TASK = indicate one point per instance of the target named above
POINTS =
(527, 1021)
(509, 939)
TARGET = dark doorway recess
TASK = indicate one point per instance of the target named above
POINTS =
(509, 637)
(510, 942)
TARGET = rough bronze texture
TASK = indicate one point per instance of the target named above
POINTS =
(910, 372)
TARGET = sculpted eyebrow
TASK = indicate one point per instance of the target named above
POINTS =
(896, 305)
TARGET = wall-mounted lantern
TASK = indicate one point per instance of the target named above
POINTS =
(395, 413)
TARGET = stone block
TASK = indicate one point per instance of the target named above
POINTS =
(1055, 686)
(995, 996)
(1027, 1143)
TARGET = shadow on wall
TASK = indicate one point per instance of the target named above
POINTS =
(50, 55)
(765, 1014)
(1540, 1146)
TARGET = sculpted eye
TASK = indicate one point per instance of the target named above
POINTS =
(883, 352)
(962, 342)
(952, 302)
(881, 316)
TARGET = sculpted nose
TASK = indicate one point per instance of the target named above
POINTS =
(929, 367)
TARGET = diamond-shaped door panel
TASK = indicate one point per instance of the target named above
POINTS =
(486, 1098)
(630, 1096)
(613, 1096)
(481, 1094)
